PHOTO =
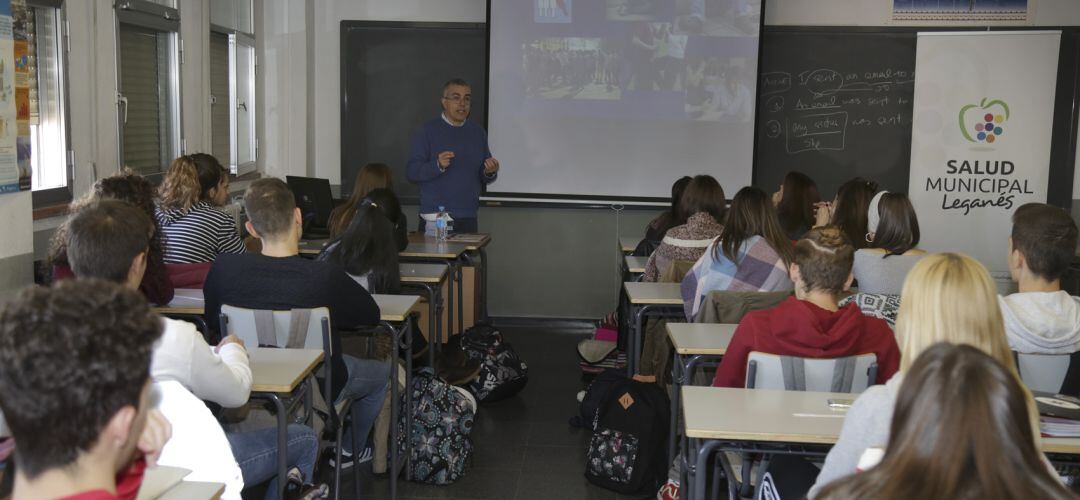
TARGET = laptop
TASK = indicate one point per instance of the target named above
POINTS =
(315, 201)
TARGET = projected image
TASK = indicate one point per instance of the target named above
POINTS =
(719, 90)
(655, 56)
(573, 68)
(717, 17)
(633, 10)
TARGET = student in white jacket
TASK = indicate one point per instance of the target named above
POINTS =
(1041, 318)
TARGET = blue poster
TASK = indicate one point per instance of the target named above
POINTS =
(961, 10)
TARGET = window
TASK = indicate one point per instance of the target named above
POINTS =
(232, 87)
(149, 85)
(46, 68)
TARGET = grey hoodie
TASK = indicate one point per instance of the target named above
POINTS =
(1042, 322)
(865, 426)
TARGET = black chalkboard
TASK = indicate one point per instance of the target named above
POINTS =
(835, 105)
(391, 80)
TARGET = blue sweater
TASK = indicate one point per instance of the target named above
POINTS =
(458, 187)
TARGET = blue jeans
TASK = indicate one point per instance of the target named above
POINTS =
(367, 384)
(256, 454)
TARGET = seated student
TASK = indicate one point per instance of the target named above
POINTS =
(74, 389)
(370, 177)
(278, 278)
(751, 253)
(110, 240)
(975, 439)
(703, 201)
(848, 210)
(193, 225)
(795, 203)
(947, 297)
(366, 248)
(1041, 318)
(810, 324)
(135, 189)
(673, 216)
(892, 229)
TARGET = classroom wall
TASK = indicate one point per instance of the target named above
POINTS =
(16, 245)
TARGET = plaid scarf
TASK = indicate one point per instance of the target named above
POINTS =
(757, 268)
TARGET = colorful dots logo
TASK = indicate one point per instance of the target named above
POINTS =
(982, 123)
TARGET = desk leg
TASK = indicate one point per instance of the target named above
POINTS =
(452, 274)
(394, 418)
(701, 468)
(635, 338)
(434, 339)
(282, 443)
(676, 382)
(483, 284)
(461, 299)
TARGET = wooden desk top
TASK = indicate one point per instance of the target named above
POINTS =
(185, 301)
(312, 247)
(414, 272)
(395, 308)
(158, 480)
(281, 370)
(782, 416)
(194, 490)
(762, 415)
(636, 265)
(472, 241)
(628, 244)
(700, 338)
(433, 250)
(653, 293)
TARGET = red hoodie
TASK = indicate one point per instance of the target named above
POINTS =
(800, 328)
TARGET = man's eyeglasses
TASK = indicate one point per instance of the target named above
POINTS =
(458, 98)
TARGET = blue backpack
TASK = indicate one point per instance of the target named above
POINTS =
(442, 422)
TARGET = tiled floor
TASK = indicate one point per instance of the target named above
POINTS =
(523, 447)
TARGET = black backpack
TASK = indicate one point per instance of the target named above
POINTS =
(595, 395)
(628, 449)
(502, 372)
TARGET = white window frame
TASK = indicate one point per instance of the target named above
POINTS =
(238, 41)
(63, 194)
(150, 15)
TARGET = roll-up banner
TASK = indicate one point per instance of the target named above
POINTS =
(980, 146)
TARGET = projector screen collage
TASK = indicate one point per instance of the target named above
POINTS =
(639, 88)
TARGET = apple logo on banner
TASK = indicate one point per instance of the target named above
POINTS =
(982, 123)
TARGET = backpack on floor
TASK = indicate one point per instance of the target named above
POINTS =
(628, 449)
(502, 372)
(595, 395)
(442, 423)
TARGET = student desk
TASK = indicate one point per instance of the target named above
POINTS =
(692, 342)
(474, 271)
(165, 482)
(187, 305)
(634, 267)
(277, 376)
(649, 300)
(429, 278)
(397, 313)
(452, 255)
(311, 248)
(627, 244)
(788, 422)
(194, 490)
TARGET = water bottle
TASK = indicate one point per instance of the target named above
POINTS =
(440, 225)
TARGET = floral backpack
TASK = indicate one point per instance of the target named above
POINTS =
(442, 422)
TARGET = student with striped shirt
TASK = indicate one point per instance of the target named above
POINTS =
(193, 225)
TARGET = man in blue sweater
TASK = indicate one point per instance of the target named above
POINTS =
(450, 161)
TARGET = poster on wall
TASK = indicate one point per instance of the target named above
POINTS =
(962, 10)
(22, 24)
(10, 173)
(980, 145)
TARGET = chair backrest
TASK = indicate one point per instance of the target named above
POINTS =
(848, 374)
(295, 328)
(1049, 372)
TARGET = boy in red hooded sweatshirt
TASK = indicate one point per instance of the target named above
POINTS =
(810, 325)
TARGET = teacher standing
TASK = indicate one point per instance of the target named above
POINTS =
(450, 161)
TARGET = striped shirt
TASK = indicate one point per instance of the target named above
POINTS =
(198, 235)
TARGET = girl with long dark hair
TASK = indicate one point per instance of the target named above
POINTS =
(892, 232)
(366, 249)
(848, 210)
(795, 203)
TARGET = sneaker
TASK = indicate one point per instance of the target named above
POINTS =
(347, 458)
